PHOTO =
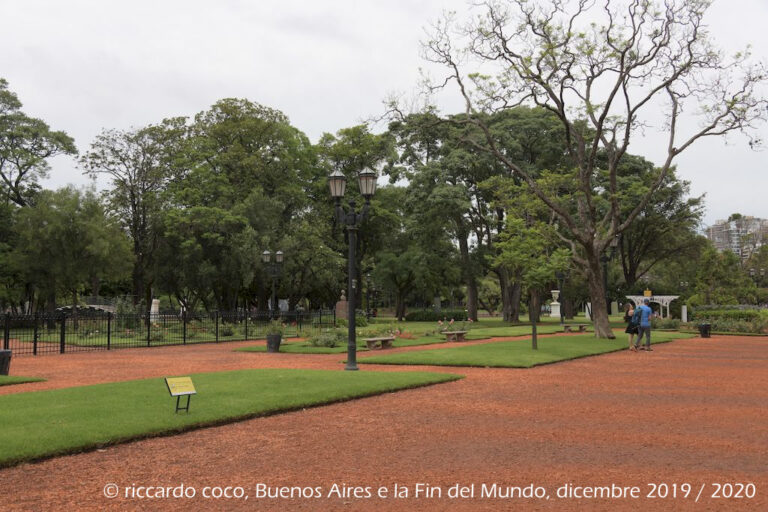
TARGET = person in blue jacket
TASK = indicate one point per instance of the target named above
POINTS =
(642, 317)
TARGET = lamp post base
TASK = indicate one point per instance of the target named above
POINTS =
(351, 367)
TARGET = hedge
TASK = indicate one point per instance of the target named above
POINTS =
(429, 315)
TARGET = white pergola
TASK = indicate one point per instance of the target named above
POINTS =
(662, 300)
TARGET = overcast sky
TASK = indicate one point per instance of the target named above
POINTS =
(86, 65)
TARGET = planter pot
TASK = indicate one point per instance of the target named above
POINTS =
(5, 362)
(273, 342)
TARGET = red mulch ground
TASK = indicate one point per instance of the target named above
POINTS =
(692, 411)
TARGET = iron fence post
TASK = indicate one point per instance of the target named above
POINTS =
(184, 326)
(149, 327)
(63, 336)
(109, 331)
(35, 334)
(7, 331)
(217, 327)
(246, 325)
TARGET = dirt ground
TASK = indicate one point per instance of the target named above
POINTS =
(683, 420)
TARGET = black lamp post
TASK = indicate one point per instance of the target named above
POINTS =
(273, 270)
(352, 219)
(561, 278)
(604, 259)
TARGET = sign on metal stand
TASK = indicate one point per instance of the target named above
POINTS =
(178, 387)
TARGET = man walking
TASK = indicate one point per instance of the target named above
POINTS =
(642, 317)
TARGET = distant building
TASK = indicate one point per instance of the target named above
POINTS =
(740, 235)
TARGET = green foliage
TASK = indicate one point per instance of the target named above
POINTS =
(26, 144)
(733, 319)
(665, 323)
(81, 242)
(721, 280)
(329, 338)
(429, 315)
(275, 327)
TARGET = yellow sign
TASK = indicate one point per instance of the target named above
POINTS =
(647, 293)
(179, 386)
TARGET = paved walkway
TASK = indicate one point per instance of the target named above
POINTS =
(693, 411)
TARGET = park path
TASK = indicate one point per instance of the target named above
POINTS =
(693, 411)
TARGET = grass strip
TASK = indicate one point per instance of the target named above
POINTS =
(516, 354)
(42, 424)
(9, 380)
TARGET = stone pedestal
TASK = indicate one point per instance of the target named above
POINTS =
(342, 307)
(614, 308)
(554, 309)
(684, 314)
(154, 310)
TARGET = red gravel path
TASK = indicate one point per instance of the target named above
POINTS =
(692, 411)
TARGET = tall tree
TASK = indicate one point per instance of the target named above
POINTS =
(66, 241)
(140, 163)
(606, 71)
(26, 144)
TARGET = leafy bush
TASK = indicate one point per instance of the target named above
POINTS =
(711, 315)
(429, 315)
(275, 327)
(227, 330)
(665, 323)
(328, 338)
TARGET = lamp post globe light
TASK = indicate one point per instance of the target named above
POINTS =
(352, 219)
(273, 270)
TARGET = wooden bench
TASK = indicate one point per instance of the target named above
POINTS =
(379, 343)
(455, 335)
(570, 327)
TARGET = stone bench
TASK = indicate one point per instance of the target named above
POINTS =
(455, 335)
(571, 327)
(379, 343)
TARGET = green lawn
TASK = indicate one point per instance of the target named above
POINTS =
(515, 354)
(7, 380)
(45, 423)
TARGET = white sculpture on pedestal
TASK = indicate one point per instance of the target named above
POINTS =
(554, 306)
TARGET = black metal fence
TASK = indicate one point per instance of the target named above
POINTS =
(59, 333)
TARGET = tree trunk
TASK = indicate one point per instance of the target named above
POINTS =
(469, 278)
(51, 309)
(74, 310)
(533, 313)
(568, 308)
(400, 307)
(516, 291)
(597, 296)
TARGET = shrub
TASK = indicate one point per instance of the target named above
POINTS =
(665, 323)
(746, 320)
(275, 327)
(227, 330)
(429, 315)
(328, 338)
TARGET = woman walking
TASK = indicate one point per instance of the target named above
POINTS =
(631, 329)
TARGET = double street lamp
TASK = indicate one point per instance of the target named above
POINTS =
(352, 219)
(273, 270)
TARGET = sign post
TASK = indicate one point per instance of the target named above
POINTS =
(178, 387)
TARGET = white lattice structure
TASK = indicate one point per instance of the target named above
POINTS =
(662, 300)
